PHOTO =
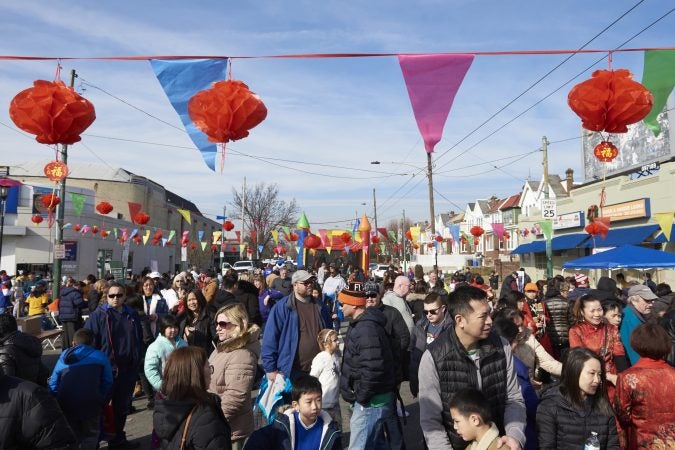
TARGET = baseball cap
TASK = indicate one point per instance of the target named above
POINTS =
(581, 280)
(154, 275)
(531, 287)
(300, 275)
(643, 291)
(354, 295)
(371, 288)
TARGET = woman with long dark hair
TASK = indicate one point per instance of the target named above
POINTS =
(578, 410)
(195, 323)
(189, 417)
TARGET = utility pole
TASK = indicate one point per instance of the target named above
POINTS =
(221, 253)
(60, 214)
(375, 210)
(403, 241)
(549, 251)
(243, 214)
(431, 195)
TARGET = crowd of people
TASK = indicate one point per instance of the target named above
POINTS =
(549, 364)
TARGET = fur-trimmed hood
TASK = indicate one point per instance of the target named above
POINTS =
(249, 340)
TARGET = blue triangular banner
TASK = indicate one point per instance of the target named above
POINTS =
(181, 79)
(200, 235)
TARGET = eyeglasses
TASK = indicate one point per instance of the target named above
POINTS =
(432, 312)
(307, 283)
(532, 292)
(115, 295)
(222, 324)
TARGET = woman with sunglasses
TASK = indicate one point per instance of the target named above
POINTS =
(234, 362)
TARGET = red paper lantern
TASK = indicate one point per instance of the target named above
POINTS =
(599, 226)
(416, 246)
(395, 248)
(249, 251)
(233, 248)
(157, 235)
(375, 240)
(214, 248)
(77, 227)
(439, 238)
(507, 235)
(477, 231)
(476, 241)
(50, 201)
(430, 245)
(610, 101)
(283, 251)
(37, 219)
(228, 226)
(605, 151)
(137, 239)
(141, 218)
(312, 241)
(226, 111)
(345, 237)
(94, 229)
(104, 208)
(52, 111)
(56, 170)
(193, 246)
(154, 241)
(293, 237)
(408, 235)
(104, 234)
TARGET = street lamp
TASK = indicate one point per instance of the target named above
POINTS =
(4, 192)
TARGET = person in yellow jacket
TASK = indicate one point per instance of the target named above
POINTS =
(37, 300)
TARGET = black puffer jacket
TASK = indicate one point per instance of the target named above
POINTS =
(201, 336)
(398, 331)
(561, 426)
(30, 417)
(208, 429)
(418, 345)
(20, 356)
(559, 328)
(247, 295)
(668, 322)
(71, 304)
(368, 360)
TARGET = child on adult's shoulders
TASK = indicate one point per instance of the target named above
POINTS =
(304, 426)
(472, 420)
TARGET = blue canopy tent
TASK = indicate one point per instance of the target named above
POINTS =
(626, 256)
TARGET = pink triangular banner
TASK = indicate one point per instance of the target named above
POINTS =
(433, 82)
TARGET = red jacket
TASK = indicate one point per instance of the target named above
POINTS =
(644, 404)
(592, 337)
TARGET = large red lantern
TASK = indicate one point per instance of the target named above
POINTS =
(226, 111)
(345, 237)
(141, 218)
(50, 201)
(610, 100)
(37, 219)
(605, 151)
(477, 231)
(312, 241)
(599, 226)
(56, 170)
(104, 208)
(375, 240)
(228, 225)
(55, 113)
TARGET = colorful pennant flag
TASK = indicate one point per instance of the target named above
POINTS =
(659, 77)
(665, 221)
(146, 237)
(216, 236)
(275, 236)
(546, 227)
(186, 215)
(172, 233)
(200, 235)
(78, 202)
(203, 245)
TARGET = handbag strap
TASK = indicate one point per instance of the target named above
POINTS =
(185, 430)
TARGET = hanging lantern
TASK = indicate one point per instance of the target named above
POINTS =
(395, 248)
(408, 235)
(375, 240)
(463, 240)
(50, 201)
(77, 227)
(283, 251)
(154, 241)
(52, 111)
(439, 238)
(141, 218)
(610, 100)
(94, 229)
(233, 248)
(293, 237)
(56, 170)
(157, 235)
(599, 226)
(214, 248)
(226, 111)
(605, 151)
(477, 231)
(37, 219)
(312, 241)
(507, 235)
(104, 208)
(430, 245)
(228, 225)
(137, 240)
(104, 234)
(416, 246)
(345, 237)
(476, 241)
(249, 251)
(193, 246)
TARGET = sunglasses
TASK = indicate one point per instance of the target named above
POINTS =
(222, 324)
(432, 312)
(532, 292)
(371, 295)
(115, 295)
(307, 283)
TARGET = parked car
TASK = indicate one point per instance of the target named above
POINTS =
(244, 266)
(379, 271)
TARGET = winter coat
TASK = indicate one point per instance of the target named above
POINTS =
(266, 308)
(391, 299)
(416, 305)
(210, 290)
(118, 335)
(398, 331)
(369, 359)
(158, 307)
(234, 363)
(247, 295)
(81, 381)
(668, 322)
(155, 357)
(531, 402)
(631, 320)
(592, 337)
(644, 404)
(283, 285)
(201, 335)
(280, 340)
(30, 417)
(221, 299)
(326, 367)
(280, 434)
(208, 429)
(21, 357)
(559, 326)
(93, 299)
(418, 345)
(71, 305)
(562, 426)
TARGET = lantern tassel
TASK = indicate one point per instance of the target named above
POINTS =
(222, 156)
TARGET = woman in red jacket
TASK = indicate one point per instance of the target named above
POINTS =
(592, 332)
(644, 393)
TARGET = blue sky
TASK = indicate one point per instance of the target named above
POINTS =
(326, 112)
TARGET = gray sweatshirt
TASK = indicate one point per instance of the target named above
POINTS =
(391, 299)
(431, 408)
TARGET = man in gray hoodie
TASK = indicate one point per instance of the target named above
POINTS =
(468, 354)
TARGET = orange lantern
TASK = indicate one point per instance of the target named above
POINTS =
(37, 219)
(141, 218)
(610, 100)
(104, 208)
(228, 226)
(416, 246)
(226, 111)
(50, 201)
(408, 235)
(56, 170)
(52, 111)
(599, 226)
(605, 151)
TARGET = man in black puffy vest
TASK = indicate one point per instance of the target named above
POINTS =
(468, 354)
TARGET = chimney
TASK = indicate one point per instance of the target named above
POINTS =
(569, 178)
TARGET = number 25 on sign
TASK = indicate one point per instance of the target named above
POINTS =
(548, 209)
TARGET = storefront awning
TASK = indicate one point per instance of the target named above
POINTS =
(622, 236)
(522, 249)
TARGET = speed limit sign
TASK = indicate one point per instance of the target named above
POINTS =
(548, 209)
